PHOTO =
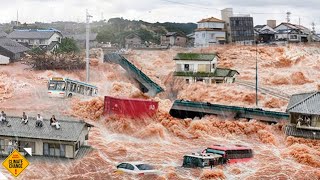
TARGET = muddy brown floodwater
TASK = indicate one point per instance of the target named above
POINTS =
(163, 140)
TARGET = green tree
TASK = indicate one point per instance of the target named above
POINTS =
(67, 45)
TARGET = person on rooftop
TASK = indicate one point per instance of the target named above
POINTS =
(54, 122)
(3, 117)
(24, 118)
(39, 121)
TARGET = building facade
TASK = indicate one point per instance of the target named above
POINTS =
(46, 140)
(194, 67)
(210, 31)
(133, 41)
(173, 39)
(242, 31)
(291, 32)
(46, 39)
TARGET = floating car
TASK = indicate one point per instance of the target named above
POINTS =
(137, 168)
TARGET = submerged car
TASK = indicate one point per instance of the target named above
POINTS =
(137, 168)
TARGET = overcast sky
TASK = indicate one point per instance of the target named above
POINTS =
(158, 10)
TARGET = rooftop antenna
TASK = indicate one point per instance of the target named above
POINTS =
(313, 27)
(88, 16)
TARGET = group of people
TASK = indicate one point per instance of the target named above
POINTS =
(39, 121)
(304, 121)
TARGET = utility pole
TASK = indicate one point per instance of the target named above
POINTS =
(257, 74)
(288, 21)
(87, 45)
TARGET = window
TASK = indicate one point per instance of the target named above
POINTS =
(293, 37)
(122, 165)
(144, 167)
(51, 149)
(130, 167)
(27, 144)
(213, 66)
(77, 146)
(86, 137)
(186, 67)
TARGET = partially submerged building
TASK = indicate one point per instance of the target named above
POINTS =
(304, 119)
(11, 49)
(196, 67)
(46, 140)
(47, 39)
(210, 31)
(173, 39)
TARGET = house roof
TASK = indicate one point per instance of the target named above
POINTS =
(69, 131)
(82, 37)
(222, 72)
(211, 19)
(32, 34)
(194, 57)
(3, 34)
(306, 103)
(259, 26)
(294, 26)
(12, 46)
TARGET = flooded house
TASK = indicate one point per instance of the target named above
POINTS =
(304, 119)
(65, 142)
(199, 67)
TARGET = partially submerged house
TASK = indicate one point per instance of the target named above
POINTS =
(11, 49)
(210, 31)
(291, 32)
(304, 119)
(48, 39)
(133, 41)
(173, 39)
(264, 33)
(46, 140)
(81, 39)
(196, 67)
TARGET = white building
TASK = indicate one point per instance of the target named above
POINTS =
(194, 67)
(46, 39)
(210, 31)
(293, 32)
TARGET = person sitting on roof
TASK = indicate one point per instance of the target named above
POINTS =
(54, 122)
(3, 117)
(299, 121)
(39, 121)
(24, 118)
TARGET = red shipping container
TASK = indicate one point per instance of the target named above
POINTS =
(130, 107)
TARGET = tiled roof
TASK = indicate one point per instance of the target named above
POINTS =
(12, 46)
(221, 72)
(70, 130)
(211, 19)
(32, 34)
(307, 103)
(194, 57)
(3, 34)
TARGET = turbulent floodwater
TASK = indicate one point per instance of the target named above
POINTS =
(163, 140)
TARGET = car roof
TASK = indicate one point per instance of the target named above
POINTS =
(134, 162)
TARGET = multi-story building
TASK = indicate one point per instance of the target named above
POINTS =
(239, 27)
(210, 31)
(194, 67)
(48, 39)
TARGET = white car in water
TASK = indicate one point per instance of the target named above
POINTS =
(137, 168)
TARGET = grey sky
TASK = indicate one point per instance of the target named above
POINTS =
(158, 10)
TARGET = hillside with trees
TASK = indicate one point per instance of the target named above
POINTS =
(117, 29)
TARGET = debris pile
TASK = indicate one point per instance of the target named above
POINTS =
(60, 61)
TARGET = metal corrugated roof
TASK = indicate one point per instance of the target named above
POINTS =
(70, 130)
(307, 103)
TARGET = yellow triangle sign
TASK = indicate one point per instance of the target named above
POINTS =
(15, 163)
